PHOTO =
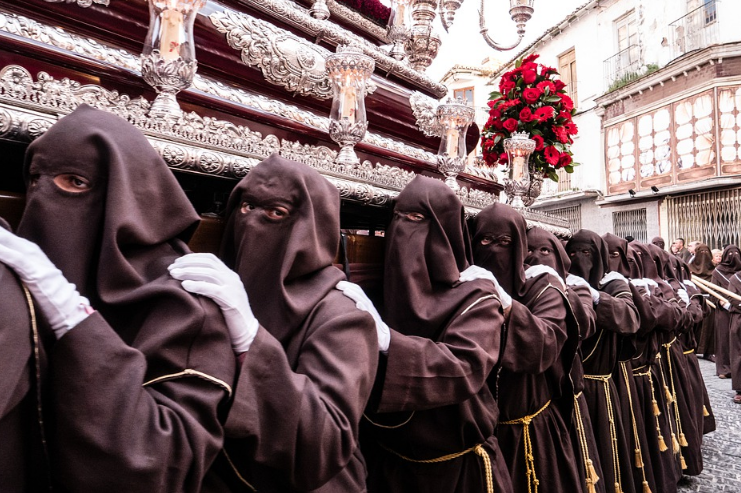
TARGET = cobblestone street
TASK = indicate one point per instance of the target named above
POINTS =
(722, 448)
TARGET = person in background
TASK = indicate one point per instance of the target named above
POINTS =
(307, 355)
(717, 255)
(703, 266)
(730, 264)
(691, 248)
(679, 250)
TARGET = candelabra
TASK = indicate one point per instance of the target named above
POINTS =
(454, 118)
(399, 30)
(521, 186)
(349, 71)
(168, 58)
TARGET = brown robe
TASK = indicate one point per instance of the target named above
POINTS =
(431, 420)
(303, 384)
(703, 267)
(541, 342)
(22, 455)
(136, 389)
(730, 263)
(616, 317)
(734, 340)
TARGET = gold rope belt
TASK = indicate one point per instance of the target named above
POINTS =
(669, 400)
(605, 379)
(657, 411)
(532, 479)
(477, 449)
(590, 472)
(705, 412)
(638, 454)
(677, 417)
(689, 352)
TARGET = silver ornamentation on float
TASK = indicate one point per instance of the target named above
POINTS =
(82, 3)
(424, 43)
(168, 61)
(340, 11)
(423, 109)
(288, 12)
(454, 118)
(521, 186)
(319, 10)
(448, 9)
(348, 71)
(399, 28)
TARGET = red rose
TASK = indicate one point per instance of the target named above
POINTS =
(531, 95)
(566, 102)
(506, 85)
(503, 157)
(538, 142)
(552, 155)
(496, 124)
(509, 104)
(530, 58)
(561, 134)
(542, 85)
(544, 113)
(510, 125)
(526, 115)
(564, 160)
(491, 158)
(565, 115)
(545, 70)
(529, 76)
(559, 85)
(571, 128)
(530, 66)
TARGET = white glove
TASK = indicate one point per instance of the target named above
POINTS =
(56, 297)
(641, 283)
(612, 276)
(683, 296)
(204, 274)
(573, 280)
(475, 272)
(538, 270)
(356, 293)
(651, 282)
(727, 306)
(690, 283)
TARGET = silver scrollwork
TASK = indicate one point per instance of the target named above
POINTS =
(82, 3)
(168, 77)
(424, 108)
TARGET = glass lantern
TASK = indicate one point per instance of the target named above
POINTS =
(349, 71)
(518, 183)
(169, 55)
(453, 118)
(399, 28)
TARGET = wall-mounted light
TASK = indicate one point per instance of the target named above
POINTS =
(654, 189)
(632, 193)
(169, 55)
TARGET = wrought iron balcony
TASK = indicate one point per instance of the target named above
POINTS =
(696, 30)
(623, 67)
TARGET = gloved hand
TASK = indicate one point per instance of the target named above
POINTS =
(56, 297)
(651, 282)
(689, 283)
(727, 306)
(611, 276)
(683, 296)
(641, 283)
(204, 274)
(475, 272)
(573, 280)
(356, 293)
(537, 270)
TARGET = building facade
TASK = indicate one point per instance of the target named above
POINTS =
(657, 87)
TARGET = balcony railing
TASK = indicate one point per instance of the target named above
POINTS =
(567, 182)
(623, 67)
(696, 30)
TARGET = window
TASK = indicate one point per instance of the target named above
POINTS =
(713, 218)
(571, 214)
(631, 223)
(465, 93)
(567, 70)
(626, 29)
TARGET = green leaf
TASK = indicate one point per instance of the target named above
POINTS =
(553, 175)
(518, 63)
(552, 99)
(568, 168)
(495, 95)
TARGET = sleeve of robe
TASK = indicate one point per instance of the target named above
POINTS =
(668, 312)
(115, 429)
(425, 374)
(536, 335)
(645, 307)
(583, 307)
(734, 286)
(616, 311)
(304, 421)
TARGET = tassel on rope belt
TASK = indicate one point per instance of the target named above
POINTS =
(672, 399)
(638, 454)
(477, 449)
(657, 411)
(590, 472)
(532, 479)
(705, 412)
(605, 379)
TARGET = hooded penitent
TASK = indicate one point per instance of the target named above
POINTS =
(545, 249)
(115, 240)
(643, 256)
(504, 232)
(285, 261)
(702, 265)
(618, 250)
(589, 256)
(424, 258)
(659, 242)
(730, 262)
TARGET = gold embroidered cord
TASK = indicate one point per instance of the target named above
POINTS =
(188, 372)
(477, 449)
(532, 478)
(638, 452)
(680, 432)
(675, 442)
(605, 379)
(389, 427)
(590, 474)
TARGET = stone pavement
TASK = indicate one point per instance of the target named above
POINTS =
(722, 448)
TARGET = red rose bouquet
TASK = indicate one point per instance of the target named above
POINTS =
(530, 99)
